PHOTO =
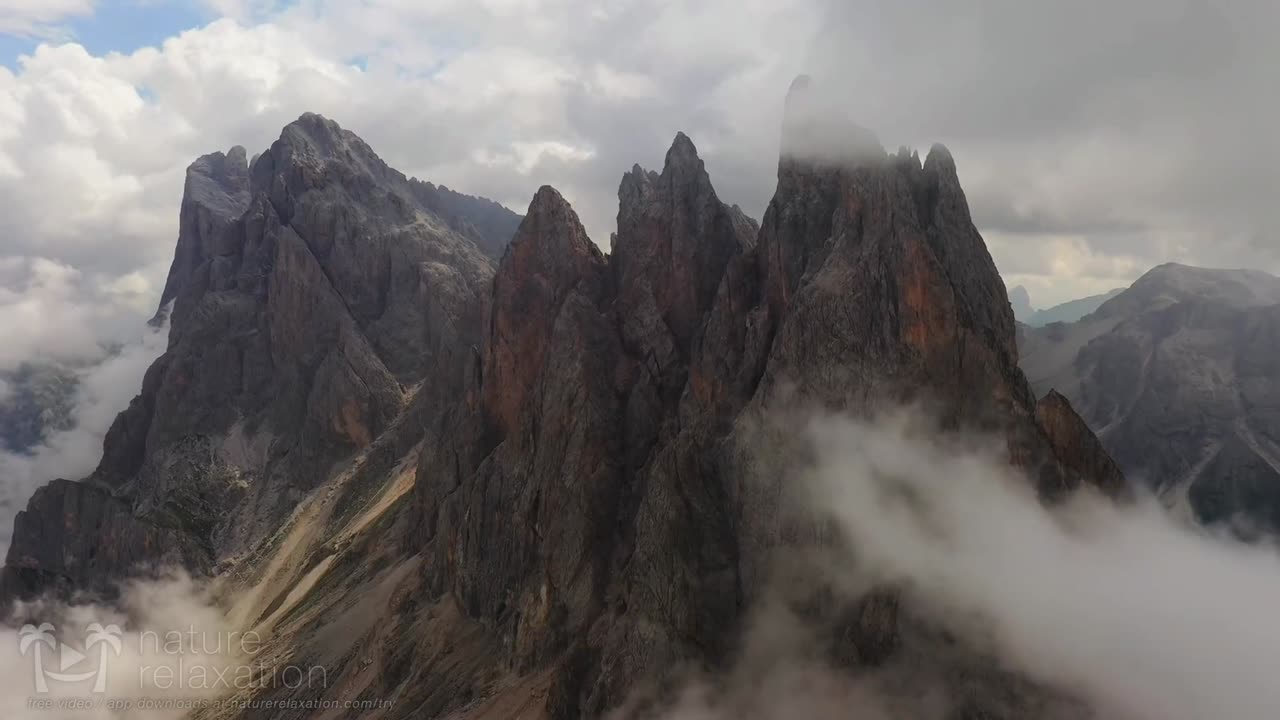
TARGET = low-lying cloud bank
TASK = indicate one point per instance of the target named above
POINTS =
(163, 649)
(1140, 616)
(1121, 607)
(1088, 609)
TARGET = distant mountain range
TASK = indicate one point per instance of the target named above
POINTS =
(1179, 375)
(1067, 312)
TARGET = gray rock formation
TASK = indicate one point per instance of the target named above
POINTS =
(1178, 377)
(1020, 300)
(310, 294)
(538, 481)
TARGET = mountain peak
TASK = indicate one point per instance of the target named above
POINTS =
(941, 155)
(674, 240)
(1172, 283)
(682, 151)
(819, 129)
(316, 135)
(941, 165)
(220, 181)
(313, 141)
(216, 193)
(552, 237)
(314, 124)
(1020, 299)
(682, 165)
(548, 205)
(549, 261)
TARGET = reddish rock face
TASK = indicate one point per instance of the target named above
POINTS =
(550, 261)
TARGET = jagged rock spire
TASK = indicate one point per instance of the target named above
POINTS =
(675, 238)
(549, 259)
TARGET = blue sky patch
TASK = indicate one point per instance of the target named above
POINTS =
(118, 26)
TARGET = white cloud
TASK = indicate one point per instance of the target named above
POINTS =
(40, 18)
(623, 86)
(524, 157)
(173, 644)
(1039, 262)
(93, 147)
(240, 10)
(1144, 618)
(1139, 129)
(53, 311)
(105, 387)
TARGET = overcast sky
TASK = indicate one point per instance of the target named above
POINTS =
(1094, 139)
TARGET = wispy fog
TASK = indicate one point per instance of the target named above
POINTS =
(1142, 617)
(104, 388)
(1086, 610)
(172, 651)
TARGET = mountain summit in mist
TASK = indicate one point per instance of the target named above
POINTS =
(469, 463)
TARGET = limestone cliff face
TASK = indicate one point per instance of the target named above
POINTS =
(538, 479)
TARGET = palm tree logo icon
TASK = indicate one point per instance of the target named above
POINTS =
(31, 638)
(104, 638)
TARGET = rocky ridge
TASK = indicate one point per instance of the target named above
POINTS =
(531, 489)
